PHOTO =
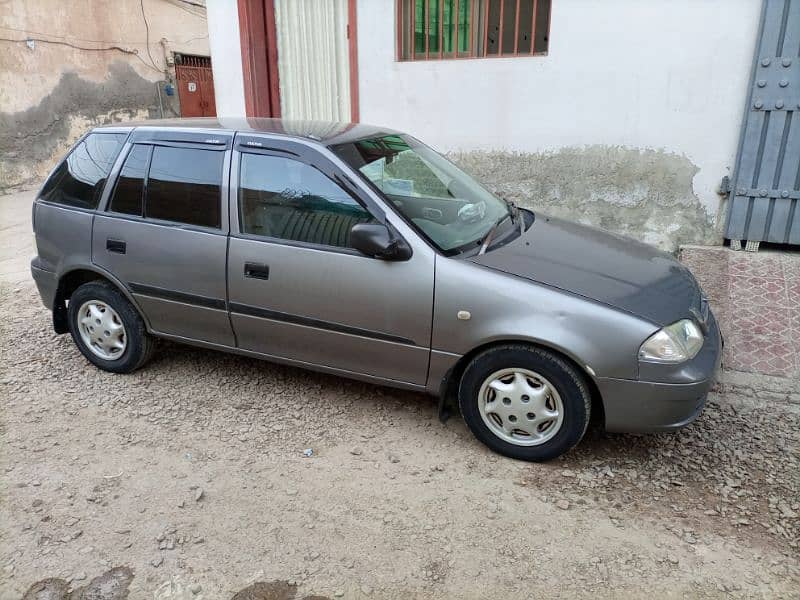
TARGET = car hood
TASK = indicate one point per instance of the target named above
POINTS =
(602, 266)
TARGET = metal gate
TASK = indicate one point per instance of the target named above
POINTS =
(765, 189)
(195, 86)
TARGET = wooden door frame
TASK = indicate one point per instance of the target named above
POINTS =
(259, 47)
(352, 46)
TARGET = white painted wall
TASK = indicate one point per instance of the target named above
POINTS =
(226, 57)
(661, 74)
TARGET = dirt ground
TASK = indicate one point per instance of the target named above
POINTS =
(190, 476)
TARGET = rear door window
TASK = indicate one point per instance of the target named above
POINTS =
(78, 181)
(128, 195)
(184, 185)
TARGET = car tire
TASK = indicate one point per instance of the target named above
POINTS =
(107, 328)
(525, 402)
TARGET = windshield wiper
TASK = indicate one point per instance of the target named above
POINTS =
(487, 239)
(513, 210)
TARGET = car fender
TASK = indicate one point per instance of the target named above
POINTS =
(69, 267)
(476, 306)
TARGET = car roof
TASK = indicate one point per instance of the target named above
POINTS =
(329, 133)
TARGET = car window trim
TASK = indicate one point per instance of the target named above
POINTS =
(314, 154)
(209, 139)
(163, 223)
(278, 152)
(117, 171)
(89, 211)
(300, 244)
(182, 144)
(145, 179)
(131, 148)
(245, 148)
(222, 187)
(113, 176)
(349, 190)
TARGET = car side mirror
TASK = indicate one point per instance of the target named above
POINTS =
(375, 239)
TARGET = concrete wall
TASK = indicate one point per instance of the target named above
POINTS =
(87, 63)
(629, 122)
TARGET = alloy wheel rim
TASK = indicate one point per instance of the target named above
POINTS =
(520, 407)
(102, 330)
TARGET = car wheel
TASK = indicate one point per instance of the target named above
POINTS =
(524, 402)
(107, 329)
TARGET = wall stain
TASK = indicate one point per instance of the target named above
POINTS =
(644, 194)
(31, 141)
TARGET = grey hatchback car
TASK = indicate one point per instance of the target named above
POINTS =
(359, 251)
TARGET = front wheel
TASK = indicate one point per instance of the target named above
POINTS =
(525, 402)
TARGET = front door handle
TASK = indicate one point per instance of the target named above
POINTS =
(256, 270)
(116, 246)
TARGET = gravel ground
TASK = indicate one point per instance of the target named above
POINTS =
(191, 474)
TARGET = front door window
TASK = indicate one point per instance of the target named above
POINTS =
(285, 199)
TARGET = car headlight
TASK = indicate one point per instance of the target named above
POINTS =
(674, 343)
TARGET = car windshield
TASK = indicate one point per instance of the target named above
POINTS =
(449, 207)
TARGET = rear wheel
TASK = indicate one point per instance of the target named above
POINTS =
(525, 402)
(107, 329)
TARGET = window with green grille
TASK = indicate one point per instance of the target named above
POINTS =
(437, 29)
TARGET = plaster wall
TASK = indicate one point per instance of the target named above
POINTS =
(66, 65)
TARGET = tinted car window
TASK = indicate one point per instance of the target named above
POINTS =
(184, 186)
(78, 181)
(286, 199)
(129, 190)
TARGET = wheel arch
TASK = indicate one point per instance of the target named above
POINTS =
(448, 391)
(72, 279)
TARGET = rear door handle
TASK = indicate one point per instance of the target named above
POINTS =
(116, 246)
(256, 270)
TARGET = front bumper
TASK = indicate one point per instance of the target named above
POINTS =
(640, 406)
(647, 406)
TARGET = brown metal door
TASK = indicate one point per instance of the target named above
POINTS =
(207, 89)
(195, 86)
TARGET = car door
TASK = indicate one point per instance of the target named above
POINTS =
(164, 232)
(299, 292)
